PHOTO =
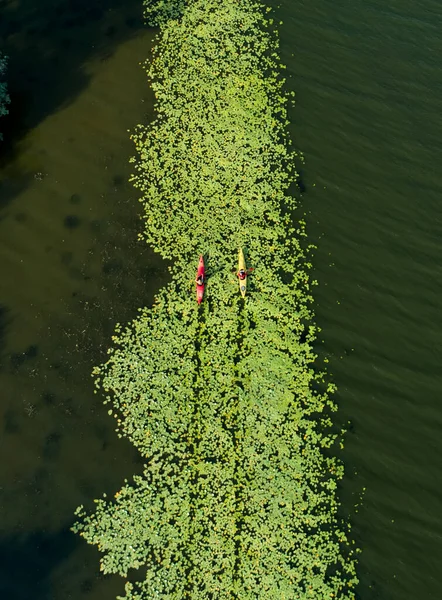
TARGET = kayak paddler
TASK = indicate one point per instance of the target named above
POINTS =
(242, 274)
(200, 280)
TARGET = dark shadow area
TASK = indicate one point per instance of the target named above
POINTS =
(27, 562)
(4, 323)
(300, 181)
(72, 221)
(48, 43)
(17, 359)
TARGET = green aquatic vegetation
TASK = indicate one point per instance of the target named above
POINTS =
(224, 401)
(158, 12)
(4, 96)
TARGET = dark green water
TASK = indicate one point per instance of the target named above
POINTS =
(368, 79)
(368, 119)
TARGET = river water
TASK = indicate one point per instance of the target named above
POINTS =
(368, 120)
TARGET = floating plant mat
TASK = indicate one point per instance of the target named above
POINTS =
(238, 495)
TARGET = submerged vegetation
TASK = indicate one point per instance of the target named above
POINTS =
(4, 97)
(224, 401)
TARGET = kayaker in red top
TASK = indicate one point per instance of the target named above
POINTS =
(242, 274)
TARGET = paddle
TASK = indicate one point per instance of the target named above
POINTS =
(248, 271)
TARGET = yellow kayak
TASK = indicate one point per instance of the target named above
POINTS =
(242, 267)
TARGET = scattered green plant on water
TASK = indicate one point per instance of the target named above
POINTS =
(4, 96)
(224, 402)
(158, 12)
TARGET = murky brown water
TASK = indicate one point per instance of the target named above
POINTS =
(71, 267)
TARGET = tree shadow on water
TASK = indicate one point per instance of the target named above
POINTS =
(48, 43)
(4, 323)
(26, 563)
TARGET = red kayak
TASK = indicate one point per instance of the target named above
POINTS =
(200, 280)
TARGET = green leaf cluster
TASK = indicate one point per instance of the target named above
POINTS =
(158, 12)
(237, 499)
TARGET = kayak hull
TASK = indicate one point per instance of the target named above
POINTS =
(200, 288)
(242, 265)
